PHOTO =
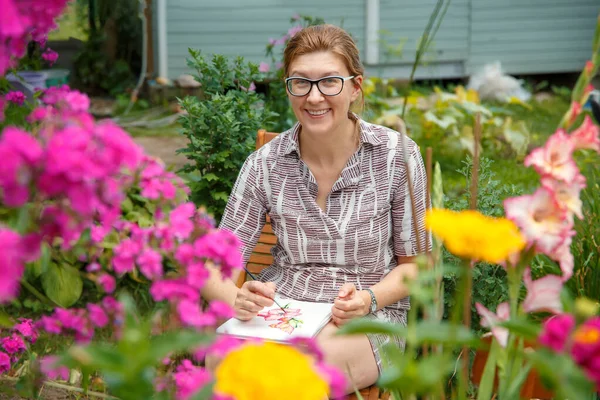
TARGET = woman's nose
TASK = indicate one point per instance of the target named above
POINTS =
(314, 95)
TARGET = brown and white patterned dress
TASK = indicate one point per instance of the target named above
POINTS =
(367, 222)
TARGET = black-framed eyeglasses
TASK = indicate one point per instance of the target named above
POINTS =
(328, 85)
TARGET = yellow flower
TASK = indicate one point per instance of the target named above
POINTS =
(269, 371)
(472, 235)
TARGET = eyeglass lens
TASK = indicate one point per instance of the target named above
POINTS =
(328, 86)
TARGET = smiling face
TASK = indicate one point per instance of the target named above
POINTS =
(319, 114)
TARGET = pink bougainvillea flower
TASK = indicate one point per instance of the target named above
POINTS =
(150, 263)
(4, 363)
(336, 379)
(49, 367)
(125, 254)
(11, 264)
(107, 282)
(20, 154)
(190, 314)
(11, 23)
(180, 220)
(222, 345)
(97, 315)
(264, 67)
(555, 158)
(541, 219)
(586, 136)
(220, 309)
(13, 344)
(26, 329)
(542, 294)
(173, 290)
(50, 55)
(17, 97)
(586, 348)
(556, 331)
(566, 193)
(189, 379)
(491, 320)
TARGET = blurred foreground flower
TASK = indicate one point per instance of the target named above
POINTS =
(472, 235)
(269, 371)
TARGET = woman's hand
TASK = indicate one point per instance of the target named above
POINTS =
(350, 304)
(252, 297)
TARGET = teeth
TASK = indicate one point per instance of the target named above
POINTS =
(321, 112)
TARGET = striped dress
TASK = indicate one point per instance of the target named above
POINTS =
(367, 222)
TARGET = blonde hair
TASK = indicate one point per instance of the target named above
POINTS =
(325, 37)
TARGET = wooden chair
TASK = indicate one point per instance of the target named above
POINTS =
(261, 258)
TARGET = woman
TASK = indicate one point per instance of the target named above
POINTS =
(336, 190)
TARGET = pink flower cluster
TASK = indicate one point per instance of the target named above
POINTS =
(71, 167)
(22, 21)
(582, 343)
(14, 345)
(546, 216)
(17, 97)
(82, 323)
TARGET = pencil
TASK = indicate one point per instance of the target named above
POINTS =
(255, 279)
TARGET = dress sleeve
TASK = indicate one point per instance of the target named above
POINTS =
(246, 208)
(404, 233)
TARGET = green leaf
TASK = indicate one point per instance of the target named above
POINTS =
(62, 284)
(486, 385)
(423, 332)
(522, 327)
(40, 266)
(211, 177)
(5, 320)
(174, 342)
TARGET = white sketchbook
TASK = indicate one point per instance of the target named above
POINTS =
(300, 319)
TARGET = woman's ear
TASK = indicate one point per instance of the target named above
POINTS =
(357, 82)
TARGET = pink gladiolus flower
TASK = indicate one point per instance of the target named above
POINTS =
(586, 348)
(107, 282)
(281, 40)
(17, 97)
(189, 379)
(543, 294)
(566, 193)
(49, 367)
(555, 158)
(586, 136)
(4, 363)
(222, 345)
(556, 331)
(272, 41)
(589, 67)
(491, 320)
(50, 55)
(264, 67)
(563, 255)
(11, 262)
(573, 112)
(540, 218)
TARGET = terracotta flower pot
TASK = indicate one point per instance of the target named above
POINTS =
(532, 388)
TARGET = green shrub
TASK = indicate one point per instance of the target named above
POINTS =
(221, 127)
